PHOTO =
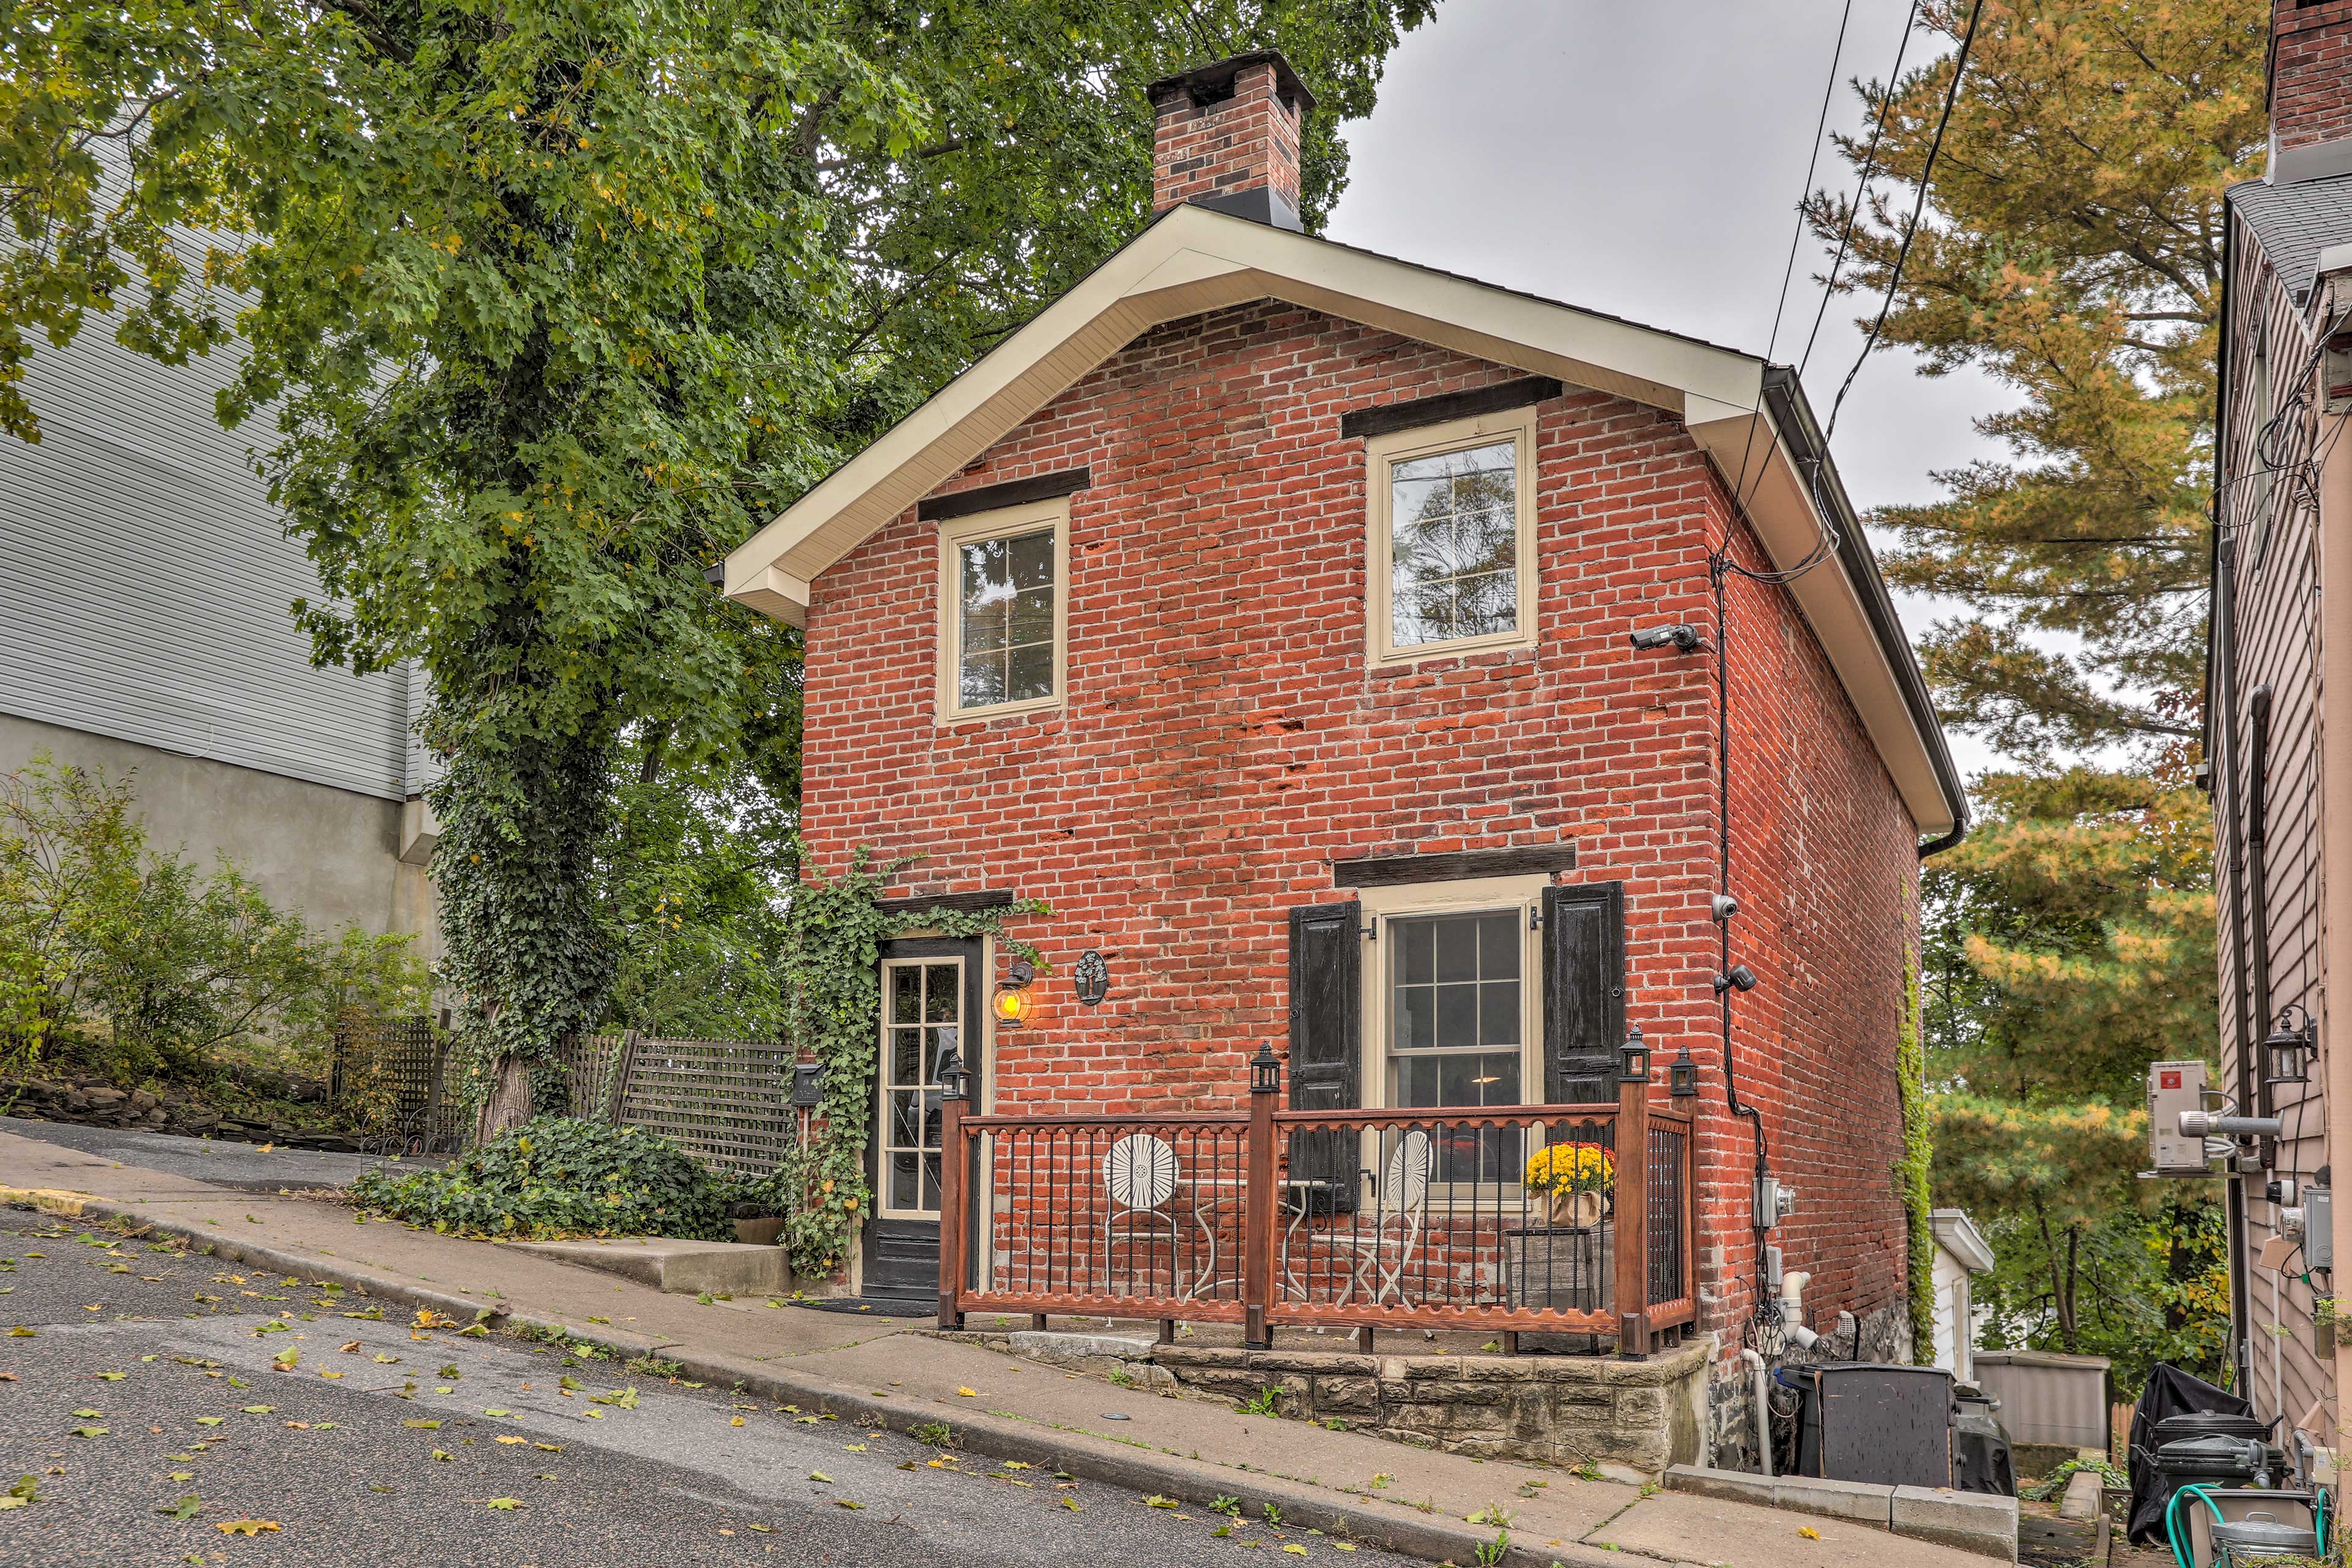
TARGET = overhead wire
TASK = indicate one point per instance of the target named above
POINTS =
(1797, 238)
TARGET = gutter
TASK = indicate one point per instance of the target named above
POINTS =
(1792, 416)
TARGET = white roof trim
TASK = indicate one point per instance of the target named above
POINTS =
(1192, 260)
(1957, 1234)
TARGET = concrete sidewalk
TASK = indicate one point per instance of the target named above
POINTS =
(887, 1371)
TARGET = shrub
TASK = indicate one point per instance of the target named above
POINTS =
(554, 1176)
(143, 963)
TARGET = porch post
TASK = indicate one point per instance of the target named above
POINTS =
(954, 1226)
(1258, 1200)
(1632, 1232)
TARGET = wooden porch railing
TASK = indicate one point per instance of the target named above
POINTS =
(1361, 1219)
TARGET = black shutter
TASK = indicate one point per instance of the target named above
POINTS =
(1584, 992)
(1327, 1044)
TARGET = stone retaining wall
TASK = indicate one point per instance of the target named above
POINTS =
(1632, 1418)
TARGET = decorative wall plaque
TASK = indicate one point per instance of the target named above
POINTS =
(1092, 977)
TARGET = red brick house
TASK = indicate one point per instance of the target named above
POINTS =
(1265, 605)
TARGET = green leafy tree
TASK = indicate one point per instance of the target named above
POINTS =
(2069, 941)
(547, 306)
(2072, 250)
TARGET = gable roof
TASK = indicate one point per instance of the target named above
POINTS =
(1749, 421)
(2293, 223)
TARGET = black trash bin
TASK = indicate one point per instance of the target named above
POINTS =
(2209, 1424)
(1980, 1455)
(2216, 1459)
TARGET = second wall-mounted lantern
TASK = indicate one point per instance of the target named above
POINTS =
(1013, 1002)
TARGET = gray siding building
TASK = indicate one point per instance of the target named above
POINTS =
(144, 629)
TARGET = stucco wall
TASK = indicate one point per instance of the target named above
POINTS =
(331, 853)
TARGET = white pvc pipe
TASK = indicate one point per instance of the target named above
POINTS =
(1763, 1410)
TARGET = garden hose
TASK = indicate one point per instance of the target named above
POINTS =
(2172, 1525)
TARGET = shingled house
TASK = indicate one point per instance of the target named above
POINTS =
(1268, 606)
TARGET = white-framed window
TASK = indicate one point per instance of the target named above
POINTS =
(1452, 537)
(1452, 1007)
(1005, 612)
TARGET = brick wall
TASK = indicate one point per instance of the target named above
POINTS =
(1218, 148)
(2311, 72)
(1223, 742)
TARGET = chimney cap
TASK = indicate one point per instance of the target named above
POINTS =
(1216, 79)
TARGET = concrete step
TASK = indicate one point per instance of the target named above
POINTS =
(681, 1267)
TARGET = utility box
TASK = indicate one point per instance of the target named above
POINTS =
(2319, 1228)
(1886, 1426)
(2173, 1088)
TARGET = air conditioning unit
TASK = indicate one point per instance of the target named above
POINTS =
(2173, 1088)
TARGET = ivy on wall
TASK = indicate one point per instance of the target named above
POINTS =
(832, 995)
(1911, 1171)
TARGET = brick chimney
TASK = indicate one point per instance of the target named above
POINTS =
(2310, 90)
(1228, 138)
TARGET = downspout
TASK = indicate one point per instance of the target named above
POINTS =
(2222, 771)
(1762, 1395)
(2251, 1090)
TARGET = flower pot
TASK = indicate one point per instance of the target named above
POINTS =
(760, 1231)
(1565, 1269)
(1574, 1211)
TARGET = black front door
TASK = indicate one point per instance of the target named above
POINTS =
(932, 992)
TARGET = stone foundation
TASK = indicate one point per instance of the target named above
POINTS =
(1632, 1418)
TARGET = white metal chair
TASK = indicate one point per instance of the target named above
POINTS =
(1402, 1208)
(1139, 1175)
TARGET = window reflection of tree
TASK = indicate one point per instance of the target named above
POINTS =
(1454, 552)
(1005, 635)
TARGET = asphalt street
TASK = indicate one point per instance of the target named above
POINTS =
(166, 1408)
(221, 1162)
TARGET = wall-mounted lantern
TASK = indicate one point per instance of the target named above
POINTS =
(2291, 1046)
(1682, 1076)
(1013, 1002)
(1637, 1057)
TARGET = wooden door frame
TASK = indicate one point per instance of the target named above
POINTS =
(973, 1045)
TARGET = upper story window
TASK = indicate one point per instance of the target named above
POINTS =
(1003, 612)
(1452, 517)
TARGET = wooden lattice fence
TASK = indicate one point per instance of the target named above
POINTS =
(388, 1079)
(724, 1102)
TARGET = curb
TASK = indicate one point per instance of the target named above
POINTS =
(1432, 1538)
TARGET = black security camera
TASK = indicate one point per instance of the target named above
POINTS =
(1684, 638)
(1741, 977)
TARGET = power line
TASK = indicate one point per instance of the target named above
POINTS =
(1862, 192)
(1911, 231)
(1789, 269)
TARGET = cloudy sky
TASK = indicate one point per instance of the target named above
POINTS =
(1646, 161)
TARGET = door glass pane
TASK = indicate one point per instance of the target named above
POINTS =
(940, 998)
(924, 1007)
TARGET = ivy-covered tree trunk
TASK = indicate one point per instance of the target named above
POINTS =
(515, 871)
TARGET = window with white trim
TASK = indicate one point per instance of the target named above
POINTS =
(1003, 612)
(1452, 537)
(1455, 1008)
